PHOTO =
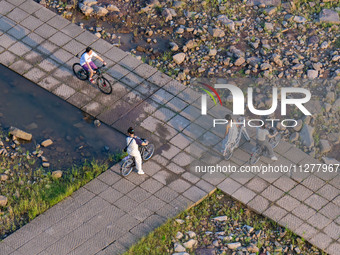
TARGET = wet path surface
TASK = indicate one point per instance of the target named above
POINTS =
(111, 213)
(46, 116)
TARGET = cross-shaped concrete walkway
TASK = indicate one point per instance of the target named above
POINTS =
(111, 213)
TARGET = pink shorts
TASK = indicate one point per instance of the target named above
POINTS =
(93, 66)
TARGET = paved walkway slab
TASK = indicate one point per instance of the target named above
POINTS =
(111, 213)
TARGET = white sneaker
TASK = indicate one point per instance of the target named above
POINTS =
(274, 158)
(141, 172)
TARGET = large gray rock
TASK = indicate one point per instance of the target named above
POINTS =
(236, 52)
(100, 11)
(312, 74)
(306, 136)
(324, 146)
(329, 16)
(216, 32)
(336, 105)
(313, 106)
(86, 10)
(179, 58)
(20, 134)
(264, 2)
(227, 22)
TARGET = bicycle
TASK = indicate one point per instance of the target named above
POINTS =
(129, 163)
(229, 148)
(103, 84)
(262, 150)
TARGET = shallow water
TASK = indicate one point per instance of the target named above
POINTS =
(37, 111)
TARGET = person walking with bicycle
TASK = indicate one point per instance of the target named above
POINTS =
(132, 142)
(262, 136)
(231, 131)
(87, 63)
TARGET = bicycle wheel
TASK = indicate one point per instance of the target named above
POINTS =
(255, 156)
(228, 152)
(104, 85)
(148, 151)
(80, 72)
(245, 134)
(127, 167)
(275, 140)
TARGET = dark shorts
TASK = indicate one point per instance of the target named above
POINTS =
(93, 66)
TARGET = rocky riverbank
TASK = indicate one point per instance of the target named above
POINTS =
(265, 39)
(219, 225)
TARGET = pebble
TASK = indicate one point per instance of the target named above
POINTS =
(179, 235)
(191, 234)
(233, 246)
(180, 221)
(179, 248)
(221, 218)
(190, 244)
(3, 200)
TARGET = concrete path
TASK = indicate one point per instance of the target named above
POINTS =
(111, 213)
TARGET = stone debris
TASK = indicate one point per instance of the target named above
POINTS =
(329, 16)
(57, 174)
(3, 177)
(179, 58)
(179, 235)
(190, 244)
(47, 143)
(180, 221)
(233, 246)
(179, 248)
(306, 136)
(20, 134)
(3, 200)
(221, 218)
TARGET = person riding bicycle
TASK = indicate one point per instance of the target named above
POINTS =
(132, 148)
(231, 131)
(87, 63)
(262, 135)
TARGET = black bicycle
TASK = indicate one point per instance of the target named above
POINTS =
(262, 150)
(129, 163)
(103, 84)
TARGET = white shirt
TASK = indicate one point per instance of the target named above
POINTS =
(133, 147)
(261, 134)
(87, 57)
